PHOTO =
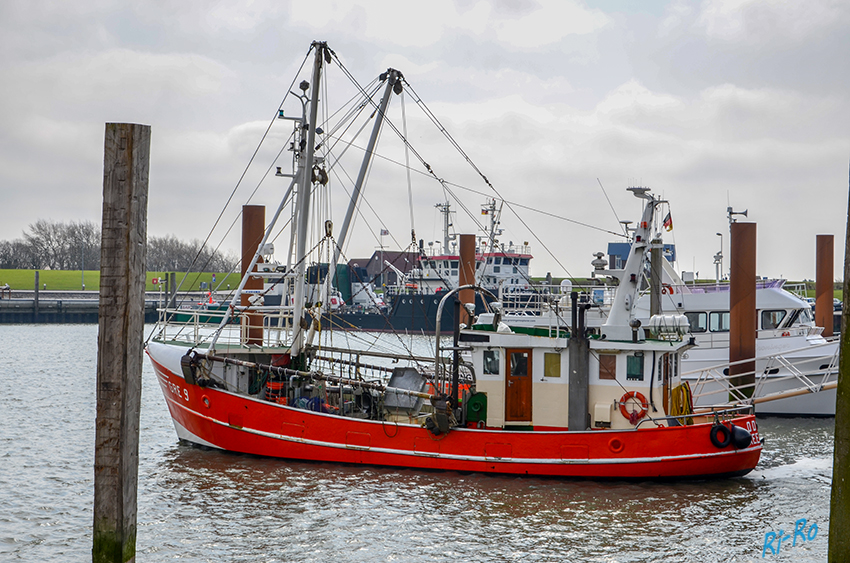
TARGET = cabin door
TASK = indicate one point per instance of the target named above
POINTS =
(518, 385)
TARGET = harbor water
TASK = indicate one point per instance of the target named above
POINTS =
(205, 505)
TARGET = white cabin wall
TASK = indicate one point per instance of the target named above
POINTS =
(550, 396)
(606, 393)
(492, 385)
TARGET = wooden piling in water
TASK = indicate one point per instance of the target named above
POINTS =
(742, 306)
(253, 225)
(466, 274)
(35, 301)
(172, 284)
(120, 341)
(839, 505)
(824, 283)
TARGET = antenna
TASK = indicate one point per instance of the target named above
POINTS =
(731, 214)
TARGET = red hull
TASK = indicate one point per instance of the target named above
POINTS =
(241, 424)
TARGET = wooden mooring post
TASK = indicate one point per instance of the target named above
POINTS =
(742, 307)
(35, 301)
(839, 506)
(824, 283)
(120, 341)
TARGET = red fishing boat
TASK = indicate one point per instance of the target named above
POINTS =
(606, 403)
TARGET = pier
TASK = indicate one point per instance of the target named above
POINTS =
(63, 307)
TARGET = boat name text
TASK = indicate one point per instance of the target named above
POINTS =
(174, 388)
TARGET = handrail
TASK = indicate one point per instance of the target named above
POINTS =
(769, 371)
(726, 411)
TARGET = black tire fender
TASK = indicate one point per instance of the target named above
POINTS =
(718, 441)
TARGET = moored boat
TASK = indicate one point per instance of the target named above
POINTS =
(567, 403)
(795, 366)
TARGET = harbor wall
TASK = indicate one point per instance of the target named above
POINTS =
(63, 307)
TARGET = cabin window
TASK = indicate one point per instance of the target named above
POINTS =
(634, 367)
(498, 260)
(523, 261)
(551, 365)
(772, 319)
(698, 321)
(496, 269)
(519, 364)
(432, 264)
(719, 321)
(668, 367)
(607, 366)
(491, 362)
(454, 263)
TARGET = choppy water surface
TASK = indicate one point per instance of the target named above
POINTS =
(198, 505)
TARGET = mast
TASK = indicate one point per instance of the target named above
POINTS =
(393, 84)
(301, 174)
(617, 326)
(302, 205)
(489, 208)
(491, 232)
(445, 209)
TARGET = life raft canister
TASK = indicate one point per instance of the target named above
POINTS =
(635, 415)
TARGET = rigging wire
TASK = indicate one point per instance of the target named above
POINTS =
(454, 143)
(610, 204)
(248, 166)
(446, 183)
(466, 157)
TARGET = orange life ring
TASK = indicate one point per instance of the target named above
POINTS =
(633, 416)
(666, 289)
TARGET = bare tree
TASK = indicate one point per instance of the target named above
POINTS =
(168, 254)
(16, 254)
(76, 245)
(46, 243)
(84, 245)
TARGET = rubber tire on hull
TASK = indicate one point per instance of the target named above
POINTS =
(727, 436)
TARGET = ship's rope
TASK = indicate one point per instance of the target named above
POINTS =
(682, 402)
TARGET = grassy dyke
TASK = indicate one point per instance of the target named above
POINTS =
(71, 280)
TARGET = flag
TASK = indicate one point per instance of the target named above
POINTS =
(384, 232)
(485, 211)
(668, 222)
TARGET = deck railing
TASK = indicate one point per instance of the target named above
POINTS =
(791, 371)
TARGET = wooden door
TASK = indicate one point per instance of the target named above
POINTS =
(518, 385)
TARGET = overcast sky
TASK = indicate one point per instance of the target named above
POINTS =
(713, 103)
